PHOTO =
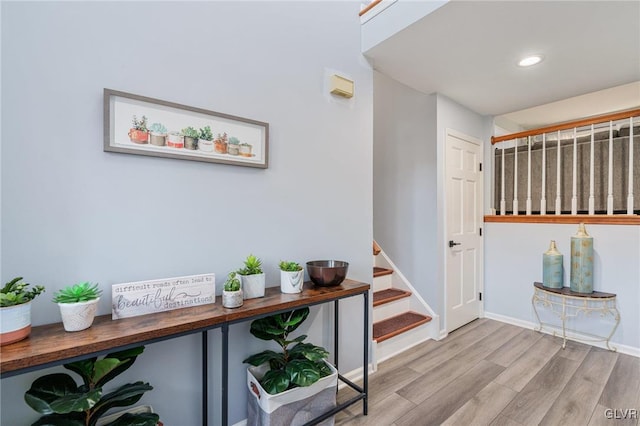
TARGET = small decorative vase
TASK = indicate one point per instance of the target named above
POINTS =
(253, 285)
(157, 139)
(205, 145)
(232, 299)
(15, 323)
(78, 316)
(552, 271)
(190, 143)
(291, 281)
(175, 140)
(582, 261)
(233, 149)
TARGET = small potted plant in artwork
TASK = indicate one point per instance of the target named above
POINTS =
(139, 132)
(252, 278)
(157, 134)
(175, 139)
(245, 150)
(190, 138)
(233, 148)
(232, 292)
(15, 310)
(291, 277)
(205, 141)
(297, 380)
(220, 143)
(78, 305)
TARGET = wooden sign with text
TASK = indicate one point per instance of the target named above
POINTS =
(147, 297)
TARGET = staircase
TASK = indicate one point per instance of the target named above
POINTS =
(401, 319)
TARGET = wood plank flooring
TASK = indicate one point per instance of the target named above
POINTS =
(488, 373)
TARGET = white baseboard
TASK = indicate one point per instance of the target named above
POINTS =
(623, 349)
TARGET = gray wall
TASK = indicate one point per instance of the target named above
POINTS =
(404, 181)
(72, 212)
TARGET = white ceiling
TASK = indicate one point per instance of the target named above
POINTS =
(468, 51)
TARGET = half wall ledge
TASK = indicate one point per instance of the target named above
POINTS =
(580, 218)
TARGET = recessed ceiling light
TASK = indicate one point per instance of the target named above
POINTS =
(530, 60)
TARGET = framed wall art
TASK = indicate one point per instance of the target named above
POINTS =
(140, 125)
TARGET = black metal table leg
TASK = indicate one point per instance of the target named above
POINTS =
(336, 344)
(205, 380)
(225, 374)
(365, 358)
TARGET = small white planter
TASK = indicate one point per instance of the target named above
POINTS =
(15, 323)
(232, 299)
(253, 285)
(291, 282)
(205, 145)
(78, 316)
(294, 407)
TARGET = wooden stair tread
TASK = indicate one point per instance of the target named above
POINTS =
(393, 326)
(379, 272)
(389, 295)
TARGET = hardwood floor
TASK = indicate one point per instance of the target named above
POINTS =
(491, 373)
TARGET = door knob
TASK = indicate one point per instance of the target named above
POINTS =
(453, 243)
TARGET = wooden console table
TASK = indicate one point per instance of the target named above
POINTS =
(49, 345)
(566, 304)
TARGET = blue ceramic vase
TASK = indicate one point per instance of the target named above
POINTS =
(582, 261)
(552, 271)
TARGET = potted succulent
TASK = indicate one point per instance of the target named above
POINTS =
(220, 143)
(190, 138)
(205, 141)
(297, 381)
(15, 310)
(233, 148)
(232, 292)
(291, 277)
(252, 278)
(64, 403)
(157, 134)
(139, 132)
(245, 150)
(78, 305)
(175, 139)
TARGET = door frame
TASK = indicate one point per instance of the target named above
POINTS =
(480, 212)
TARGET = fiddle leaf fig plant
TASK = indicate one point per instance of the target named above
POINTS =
(300, 365)
(64, 403)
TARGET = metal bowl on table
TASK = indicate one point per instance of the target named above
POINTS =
(326, 273)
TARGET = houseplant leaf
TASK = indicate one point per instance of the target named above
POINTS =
(275, 381)
(83, 368)
(47, 389)
(103, 367)
(308, 351)
(124, 396)
(302, 372)
(265, 356)
(141, 419)
(70, 419)
(128, 357)
(78, 401)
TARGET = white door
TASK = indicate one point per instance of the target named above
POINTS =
(463, 218)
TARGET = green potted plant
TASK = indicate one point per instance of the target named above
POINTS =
(190, 138)
(15, 310)
(78, 305)
(297, 380)
(245, 150)
(64, 403)
(157, 134)
(291, 277)
(220, 143)
(232, 292)
(175, 139)
(205, 141)
(252, 278)
(233, 148)
(139, 132)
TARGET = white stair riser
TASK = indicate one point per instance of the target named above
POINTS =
(391, 309)
(402, 342)
(382, 283)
